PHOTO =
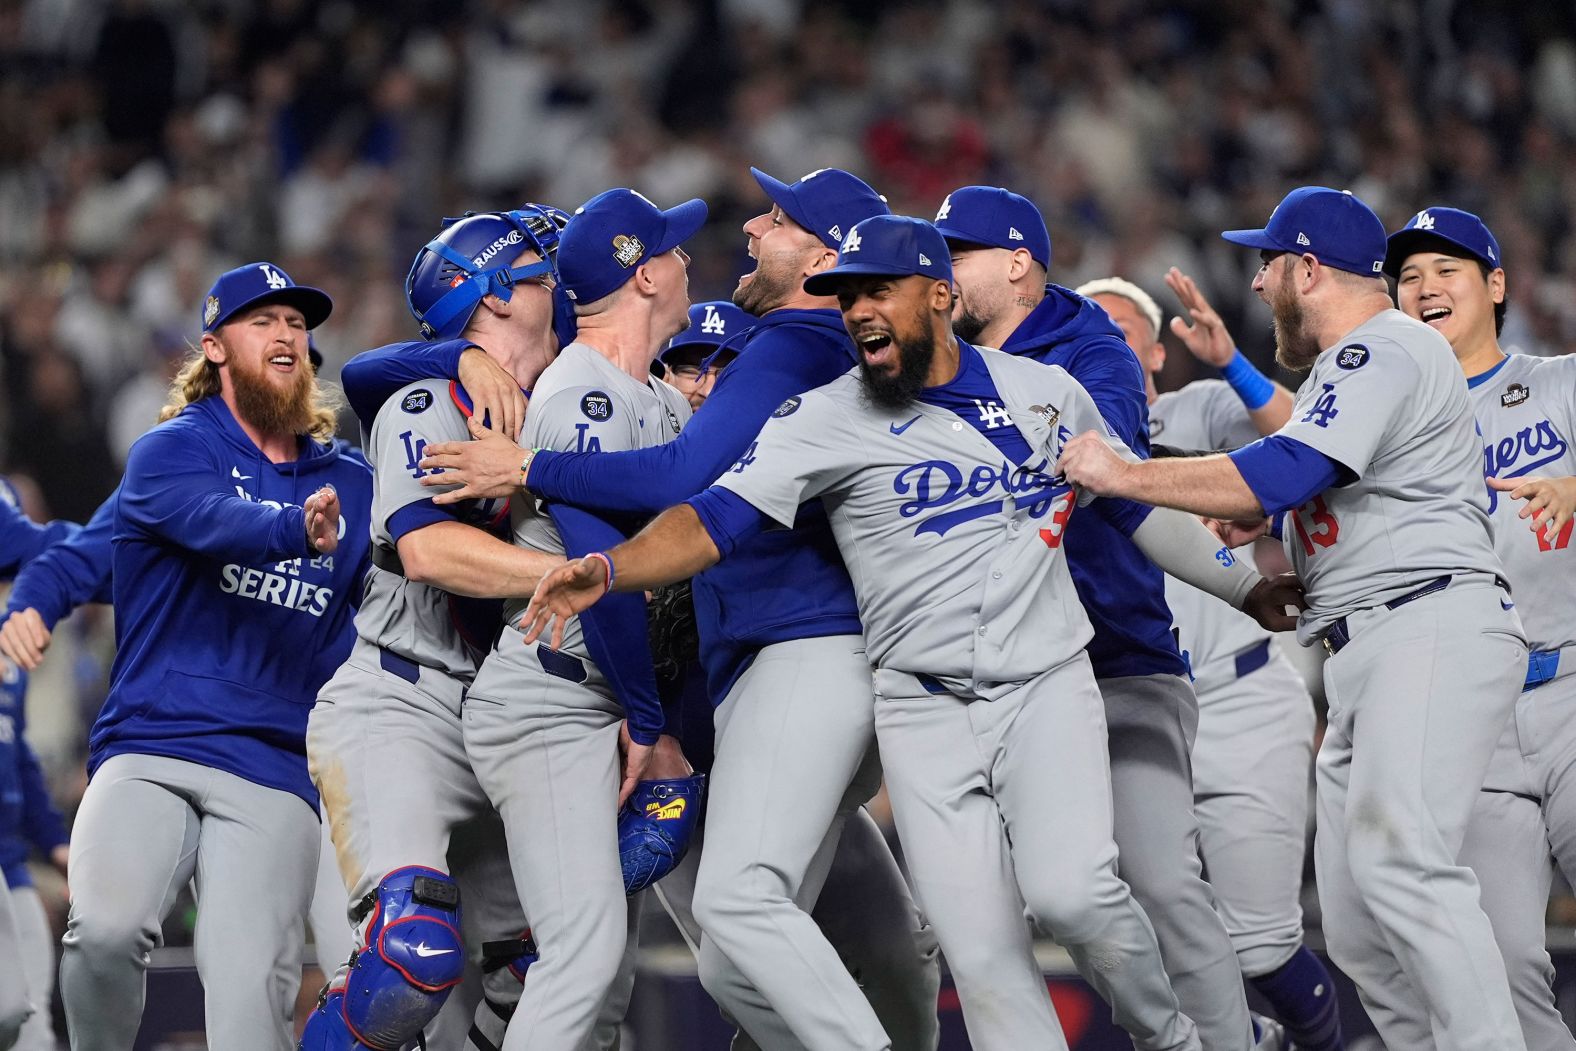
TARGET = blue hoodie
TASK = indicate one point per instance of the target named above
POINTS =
(28, 817)
(1123, 592)
(21, 538)
(227, 623)
(69, 573)
(781, 584)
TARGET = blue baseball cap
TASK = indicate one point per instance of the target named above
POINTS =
(613, 233)
(828, 202)
(247, 286)
(991, 215)
(1333, 225)
(890, 245)
(1463, 230)
(710, 325)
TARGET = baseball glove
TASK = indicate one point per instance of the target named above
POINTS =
(655, 828)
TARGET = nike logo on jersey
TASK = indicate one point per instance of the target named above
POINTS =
(424, 952)
(895, 429)
(235, 472)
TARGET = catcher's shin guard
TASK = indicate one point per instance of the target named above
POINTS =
(398, 983)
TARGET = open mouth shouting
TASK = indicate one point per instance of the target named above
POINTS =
(1436, 316)
(877, 348)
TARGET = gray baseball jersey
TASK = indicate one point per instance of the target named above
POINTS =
(1390, 404)
(954, 553)
(1205, 414)
(585, 403)
(416, 621)
(1526, 409)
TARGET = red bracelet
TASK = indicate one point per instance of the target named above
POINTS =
(608, 562)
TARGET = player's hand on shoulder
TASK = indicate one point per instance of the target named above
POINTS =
(1270, 600)
(495, 396)
(1550, 502)
(1206, 337)
(1089, 463)
(322, 520)
(487, 466)
(23, 638)
(563, 593)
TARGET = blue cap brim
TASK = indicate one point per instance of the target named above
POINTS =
(314, 304)
(1260, 239)
(682, 222)
(1403, 243)
(827, 282)
(782, 195)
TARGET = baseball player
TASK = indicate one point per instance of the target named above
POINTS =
(693, 359)
(1448, 275)
(544, 730)
(918, 483)
(233, 589)
(1385, 520)
(384, 740)
(1001, 253)
(1254, 749)
(787, 670)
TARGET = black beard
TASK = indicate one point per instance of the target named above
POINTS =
(899, 389)
(968, 325)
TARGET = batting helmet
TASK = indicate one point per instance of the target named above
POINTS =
(472, 258)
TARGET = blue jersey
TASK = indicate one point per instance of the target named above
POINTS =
(28, 817)
(781, 585)
(1123, 592)
(21, 538)
(67, 574)
(227, 623)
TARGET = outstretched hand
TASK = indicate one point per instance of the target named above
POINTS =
(321, 511)
(24, 638)
(1551, 502)
(486, 467)
(566, 591)
(495, 395)
(1206, 337)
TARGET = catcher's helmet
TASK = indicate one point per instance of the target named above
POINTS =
(472, 257)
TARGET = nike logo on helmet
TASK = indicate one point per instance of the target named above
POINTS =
(424, 952)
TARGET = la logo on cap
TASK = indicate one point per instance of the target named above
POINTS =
(1424, 221)
(853, 242)
(946, 208)
(627, 249)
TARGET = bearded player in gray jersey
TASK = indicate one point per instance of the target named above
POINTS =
(544, 729)
(917, 483)
(1386, 523)
(384, 740)
(1254, 749)
(1448, 275)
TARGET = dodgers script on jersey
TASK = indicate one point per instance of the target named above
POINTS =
(585, 403)
(1206, 415)
(410, 619)
(1389, 403)
(954, 552)
(1526, 409)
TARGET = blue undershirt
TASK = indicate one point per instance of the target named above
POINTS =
(1284, 473)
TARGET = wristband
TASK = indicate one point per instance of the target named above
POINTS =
(1252, 386)
(525, 465)
(608, 562)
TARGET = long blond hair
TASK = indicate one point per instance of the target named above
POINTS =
(199, 379)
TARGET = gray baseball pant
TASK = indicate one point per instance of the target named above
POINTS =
(38, 967)
(15, 1007)
(795, 757)
(1152, 721)
(1418, 699)
(1003, 800)
(1524, 821)
(149, 824)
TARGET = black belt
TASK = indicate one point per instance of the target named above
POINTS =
(931, 683)
(1339, 635)
(1253, 658)
(394, 664)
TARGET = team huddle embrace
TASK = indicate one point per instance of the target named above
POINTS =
(564, 633)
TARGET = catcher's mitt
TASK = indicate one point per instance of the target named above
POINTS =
(655, 828)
